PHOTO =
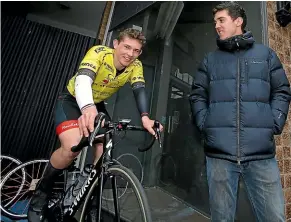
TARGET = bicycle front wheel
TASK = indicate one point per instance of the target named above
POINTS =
(132, 205)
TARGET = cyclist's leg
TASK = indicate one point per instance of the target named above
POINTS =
(98, 152)
(63, 156)
(66, 120)
(66, 114)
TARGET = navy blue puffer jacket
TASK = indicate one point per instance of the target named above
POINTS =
(240, 98)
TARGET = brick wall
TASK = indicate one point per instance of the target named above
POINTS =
(280, 41)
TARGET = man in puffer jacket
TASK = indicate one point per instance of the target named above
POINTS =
(240, 100)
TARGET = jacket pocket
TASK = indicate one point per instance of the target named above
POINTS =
(274, 121)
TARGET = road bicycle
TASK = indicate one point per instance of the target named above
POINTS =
(106, 176)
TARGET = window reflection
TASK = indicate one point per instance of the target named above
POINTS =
(182, 161)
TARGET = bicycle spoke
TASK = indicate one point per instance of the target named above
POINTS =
(8, 194)
(29, 200)
(32, 170)
(9, 187)
(15, 180)
(19, 198)
(18, 175)
(30, 177)
(6, 167)
(37, 175)
(26, 207)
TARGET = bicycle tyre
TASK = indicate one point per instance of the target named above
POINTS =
(17, 162)
(138, 161)
(119, 170)
(4, 210)
(117, 161)
(111, 199)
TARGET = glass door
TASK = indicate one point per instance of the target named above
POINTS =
(183, 160)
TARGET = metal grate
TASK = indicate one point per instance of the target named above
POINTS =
(37, 62)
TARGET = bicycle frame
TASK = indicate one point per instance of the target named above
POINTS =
(96, 173)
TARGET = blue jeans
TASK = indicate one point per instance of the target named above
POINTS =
(262, 182)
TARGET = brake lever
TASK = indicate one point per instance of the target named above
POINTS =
(99, 120)
(158, 131)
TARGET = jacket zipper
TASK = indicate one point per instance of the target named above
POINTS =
(238, 116)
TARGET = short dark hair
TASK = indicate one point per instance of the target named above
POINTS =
(132, 33)
(234, 11)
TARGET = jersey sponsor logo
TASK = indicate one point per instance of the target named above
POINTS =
(136, 63)
(88, 64)
(100, 49)
(108, 67)
(64, 126)
(100, 93)
(108, 79)
(114, 84)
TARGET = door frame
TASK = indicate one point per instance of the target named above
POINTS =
(184, 87)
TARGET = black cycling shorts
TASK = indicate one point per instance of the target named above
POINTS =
(67, 112)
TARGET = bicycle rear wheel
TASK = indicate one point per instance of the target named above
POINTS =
(133, 205)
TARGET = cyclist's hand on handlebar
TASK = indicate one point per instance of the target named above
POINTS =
(86, 120)
(148, 124)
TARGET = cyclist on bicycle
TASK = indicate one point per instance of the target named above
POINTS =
(101, 73)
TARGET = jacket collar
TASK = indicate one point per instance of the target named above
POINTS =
(238, 42)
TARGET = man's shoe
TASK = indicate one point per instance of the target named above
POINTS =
(38, 207)
(39, 202)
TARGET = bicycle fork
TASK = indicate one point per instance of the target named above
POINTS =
(100, 190)
(115, 198)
